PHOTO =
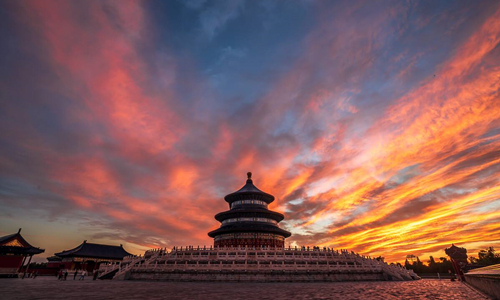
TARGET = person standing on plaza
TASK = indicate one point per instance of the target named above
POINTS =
(82, 276)
(65, 274)
(59, 275)
(74, 275)
(96, 273)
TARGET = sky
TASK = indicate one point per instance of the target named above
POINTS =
(375, 124)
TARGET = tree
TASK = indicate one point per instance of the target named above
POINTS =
(487, 257)
(432, 265)
(445, 265)
(418, 266)
(37, 265)
(407, 264)
(418, 262)
(441, 266)
(472, 260)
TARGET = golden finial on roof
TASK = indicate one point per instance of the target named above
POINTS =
(249, 175)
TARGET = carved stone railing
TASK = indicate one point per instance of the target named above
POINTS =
(249, 258)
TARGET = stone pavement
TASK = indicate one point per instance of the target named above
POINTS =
(51, 288)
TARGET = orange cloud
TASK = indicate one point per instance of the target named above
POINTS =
(410, 176)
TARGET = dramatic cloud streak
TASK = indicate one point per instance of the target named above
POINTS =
(377, 128)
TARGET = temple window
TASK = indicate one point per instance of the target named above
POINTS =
(246, 202)
(233, 220)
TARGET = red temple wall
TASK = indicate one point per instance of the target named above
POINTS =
(45, 271)
(10, 261)
(66, 265)
(53, 264)
(42, 271)
(69, 265)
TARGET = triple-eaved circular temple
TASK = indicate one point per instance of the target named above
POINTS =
(249, 245)
(249, 222)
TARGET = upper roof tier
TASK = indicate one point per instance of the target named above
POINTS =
(249, 192)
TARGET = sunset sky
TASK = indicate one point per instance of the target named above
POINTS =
(376, 124)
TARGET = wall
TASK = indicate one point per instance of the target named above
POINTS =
(251, 276)
(487, 284)
(10, 263)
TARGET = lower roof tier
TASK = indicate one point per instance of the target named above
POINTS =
(20, 250)
(257, 227)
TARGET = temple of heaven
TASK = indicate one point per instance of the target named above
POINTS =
(249, 222)
(249, 246)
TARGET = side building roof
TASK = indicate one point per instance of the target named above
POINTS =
(95, 251)
(16, 244)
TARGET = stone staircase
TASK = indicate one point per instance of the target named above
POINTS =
(123, 273)
(109, 272)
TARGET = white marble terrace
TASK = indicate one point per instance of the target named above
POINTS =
(313, 259)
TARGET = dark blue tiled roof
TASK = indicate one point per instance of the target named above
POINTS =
(26, 249)
(95, 251)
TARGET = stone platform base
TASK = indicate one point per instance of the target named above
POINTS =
(486, 279)
(11, 275)
(487, 284)
(253, 277)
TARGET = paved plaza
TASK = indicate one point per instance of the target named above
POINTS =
(50, 288)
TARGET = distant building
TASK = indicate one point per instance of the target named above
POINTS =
(87, 256)
(14, 250)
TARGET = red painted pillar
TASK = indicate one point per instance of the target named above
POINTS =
(22, 264)
(27, 266)
(457, 269)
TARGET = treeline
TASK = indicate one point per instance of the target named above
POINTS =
(35, 265)
(433, 266)
(485, 258)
